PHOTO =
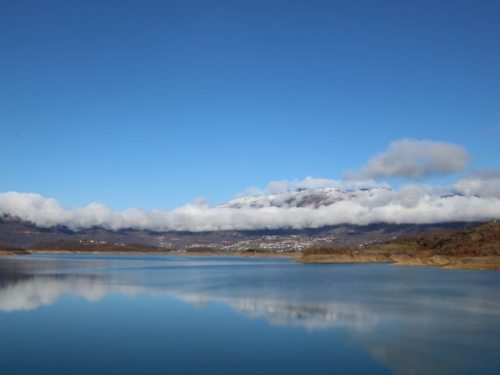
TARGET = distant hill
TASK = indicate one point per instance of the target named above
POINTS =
(20, 234)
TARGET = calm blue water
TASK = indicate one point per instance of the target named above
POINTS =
(151, 314)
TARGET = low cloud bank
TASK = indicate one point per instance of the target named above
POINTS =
(480, 183)
(410, 204)
(477, 198)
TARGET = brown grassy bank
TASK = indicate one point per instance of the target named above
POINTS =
(478, 249)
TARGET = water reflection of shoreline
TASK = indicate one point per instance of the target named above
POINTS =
(29, 293)
(293, 314)
(431, 344)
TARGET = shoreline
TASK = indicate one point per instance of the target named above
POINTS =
(13, 253)
(180, 253)
(477, 263)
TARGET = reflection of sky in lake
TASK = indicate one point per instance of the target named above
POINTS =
(275, 315)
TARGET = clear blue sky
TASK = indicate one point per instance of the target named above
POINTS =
(152, 104)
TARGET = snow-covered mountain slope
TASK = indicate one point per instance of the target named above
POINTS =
(313, 198)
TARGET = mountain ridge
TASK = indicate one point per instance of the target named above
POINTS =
(18, 233)
(301, 198)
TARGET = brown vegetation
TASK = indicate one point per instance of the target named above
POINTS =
(200, 250)
(481, 241)
(478, 248)
(329, 250)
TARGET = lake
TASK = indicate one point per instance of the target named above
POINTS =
(120, 314)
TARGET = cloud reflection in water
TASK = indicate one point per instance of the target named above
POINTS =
(411, 334)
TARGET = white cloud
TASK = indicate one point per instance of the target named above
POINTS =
(408, 158)
(250, 191)
(281, 186)
(282, 208)
(410, 204)
(346, 183)
(277, 187)
(480, 183)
